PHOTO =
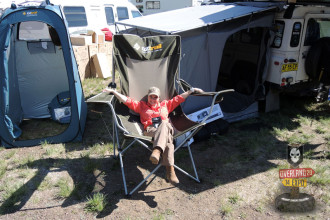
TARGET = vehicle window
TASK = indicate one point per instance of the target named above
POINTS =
(140, 7)
(33, 30)
(324, 27)
(279, 30)
(295, 36)
(139, 1)
(109, 15)
(122, 13)
(316, 28)
(136, 14)
(76, 16)
(153, 4)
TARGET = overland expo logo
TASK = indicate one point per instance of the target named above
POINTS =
(148, 49)
(30, 13)
(295, 155)
(295, 178)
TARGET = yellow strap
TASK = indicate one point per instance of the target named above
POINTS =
(321, 74)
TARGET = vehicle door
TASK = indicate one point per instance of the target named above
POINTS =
(284, 52)
(316, 26)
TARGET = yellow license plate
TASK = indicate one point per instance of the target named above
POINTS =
(289, 67)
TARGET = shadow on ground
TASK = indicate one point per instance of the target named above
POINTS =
(245, 150)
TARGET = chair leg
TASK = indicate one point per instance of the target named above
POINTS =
(122, 171)
(196, 178)
(192, 133)
(145, 179)
(193, 163)
(114, 135)
(120, 154)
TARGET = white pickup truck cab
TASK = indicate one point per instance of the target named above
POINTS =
(300, 52)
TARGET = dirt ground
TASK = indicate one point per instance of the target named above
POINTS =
(239, 177)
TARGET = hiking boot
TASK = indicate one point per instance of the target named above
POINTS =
(170, 175)
(155, 155)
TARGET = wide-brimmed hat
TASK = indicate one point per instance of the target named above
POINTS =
(154, 91)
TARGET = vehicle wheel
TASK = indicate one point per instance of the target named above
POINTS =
(322, 95)
(317, 58)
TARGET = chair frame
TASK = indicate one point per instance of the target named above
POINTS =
(118, 127)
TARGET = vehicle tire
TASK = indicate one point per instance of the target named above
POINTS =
(305, 203)
(317, 59)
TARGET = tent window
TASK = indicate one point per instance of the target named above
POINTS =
(279, 26)
(33, 30)
(122, 13)
(76, 16)
(109, 15)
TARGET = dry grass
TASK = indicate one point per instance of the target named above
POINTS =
(240, 167)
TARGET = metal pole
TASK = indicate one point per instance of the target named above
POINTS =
(294, 193)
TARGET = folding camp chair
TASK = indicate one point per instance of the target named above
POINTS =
(142, 63)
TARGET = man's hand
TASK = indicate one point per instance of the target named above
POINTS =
(109, 90)
(198, 90)
(187, 93)
(120, 96)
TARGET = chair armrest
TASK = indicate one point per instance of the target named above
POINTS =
(216, 98)
(212, 93)
(218, 94)
(102, 97)
(186, 86)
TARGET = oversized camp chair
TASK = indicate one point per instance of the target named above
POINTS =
(142, 63)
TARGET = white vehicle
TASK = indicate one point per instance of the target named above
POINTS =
(147, 7)
(83, 15)
(4, 4)
(300, 52)
(298, 57)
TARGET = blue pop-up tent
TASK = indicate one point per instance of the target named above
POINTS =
(36, 65)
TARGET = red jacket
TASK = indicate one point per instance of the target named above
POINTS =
(148, 112)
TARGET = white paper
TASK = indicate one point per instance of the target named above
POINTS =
(62, 112)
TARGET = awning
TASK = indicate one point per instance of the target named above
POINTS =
(184, 19)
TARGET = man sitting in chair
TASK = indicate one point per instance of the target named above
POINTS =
(154, 118)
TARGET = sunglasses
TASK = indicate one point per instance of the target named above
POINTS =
(153, 96)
